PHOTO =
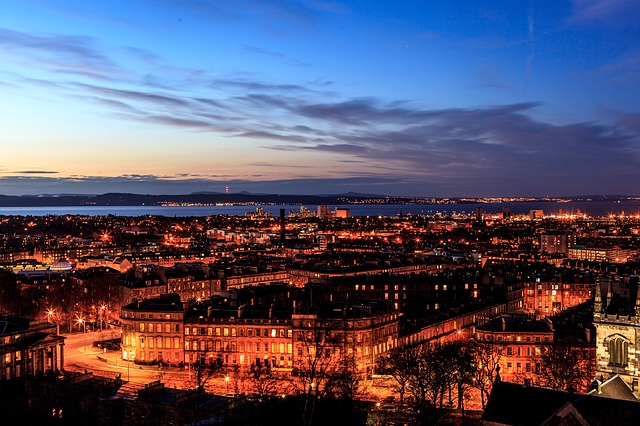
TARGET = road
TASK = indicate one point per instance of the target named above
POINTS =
(81, 355)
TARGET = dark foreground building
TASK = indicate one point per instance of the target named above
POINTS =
(29, 348)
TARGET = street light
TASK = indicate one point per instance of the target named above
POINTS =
(226, 381)
(82, 322)
(101, 312)
(50, 314)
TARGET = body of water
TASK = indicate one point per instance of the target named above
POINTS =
(593, 208)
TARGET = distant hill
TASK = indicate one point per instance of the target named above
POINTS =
(210, 198)
(127, 199)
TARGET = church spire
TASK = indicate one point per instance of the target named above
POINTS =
(597, 301)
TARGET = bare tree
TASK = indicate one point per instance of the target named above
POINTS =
(263, 380)
(397, 364)
(323, 364)
(487, 359)
(344, 383)
(565, 365)
(427, 381)
(460, 368)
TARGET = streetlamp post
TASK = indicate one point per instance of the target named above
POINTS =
(103, 311)
(226, 381)
(82, 322)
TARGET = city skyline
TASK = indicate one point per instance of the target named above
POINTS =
(441, 99)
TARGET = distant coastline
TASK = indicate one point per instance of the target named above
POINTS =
(590, 208)
(247, 199)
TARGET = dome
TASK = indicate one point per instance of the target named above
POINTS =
(60, 267)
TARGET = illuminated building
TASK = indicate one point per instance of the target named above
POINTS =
(536, 214)
(324, 212)
(357, 333)
(342, 212)
(243, 336)
(152, 330)
(617, 321)
(616, 254)
(218, 332)
(549, 297)
(518, 338)
(556, 242)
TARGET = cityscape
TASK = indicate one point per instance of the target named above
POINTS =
(409, 319)
(312, 212)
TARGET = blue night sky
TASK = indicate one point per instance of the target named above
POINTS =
(425, 98)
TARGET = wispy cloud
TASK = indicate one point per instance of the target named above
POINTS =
(76, 55)
(591, 10)
(275, 55)
(400, 141)
(34, 172)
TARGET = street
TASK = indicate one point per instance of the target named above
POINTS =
(81, 355)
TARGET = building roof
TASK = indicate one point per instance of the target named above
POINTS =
(615, 387)
(164, 303)
(13, 324)
(517, 324)
(515, 404)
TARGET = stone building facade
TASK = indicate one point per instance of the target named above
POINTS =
(152, 330)
(617, 322)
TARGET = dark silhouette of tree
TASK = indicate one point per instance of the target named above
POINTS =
(426, 381)
(326, 371)
(263, 380)
(344, 383)
(487, 359)
(397, 364)
(459, 363)
(565, 365)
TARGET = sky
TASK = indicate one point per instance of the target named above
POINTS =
(451, 98)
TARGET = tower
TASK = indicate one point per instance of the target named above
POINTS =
(617, 323)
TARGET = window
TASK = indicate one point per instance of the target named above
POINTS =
(618, 352)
